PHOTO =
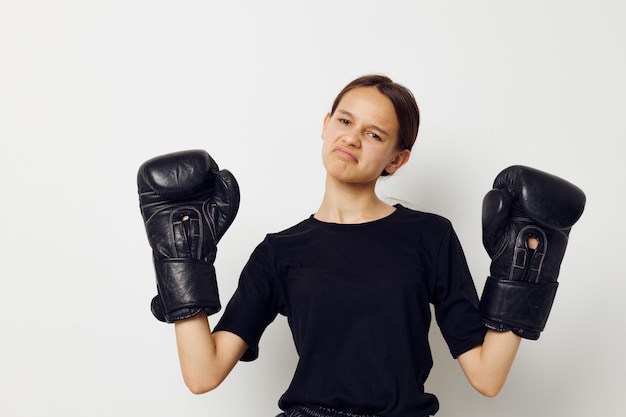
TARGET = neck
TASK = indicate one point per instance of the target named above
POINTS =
(351, 203)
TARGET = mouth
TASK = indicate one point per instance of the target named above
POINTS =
(345, 154)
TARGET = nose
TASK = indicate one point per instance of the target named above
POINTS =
(351, 138)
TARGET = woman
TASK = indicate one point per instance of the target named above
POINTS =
(355, 281)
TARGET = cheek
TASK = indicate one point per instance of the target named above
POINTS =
(387, 158)
(325, 142)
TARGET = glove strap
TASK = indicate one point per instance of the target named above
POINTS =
(185, 288)
(520, 306)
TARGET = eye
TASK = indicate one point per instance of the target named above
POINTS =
(375, 136)
(344, 121)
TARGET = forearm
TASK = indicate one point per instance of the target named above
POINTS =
(487, 366)
(205, 358)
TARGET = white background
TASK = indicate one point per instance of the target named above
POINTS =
(91, 89)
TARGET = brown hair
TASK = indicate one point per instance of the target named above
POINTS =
(403, 102)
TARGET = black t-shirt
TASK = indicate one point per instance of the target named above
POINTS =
(357, 299)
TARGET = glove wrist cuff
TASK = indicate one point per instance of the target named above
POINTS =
(186, 287)
(520, 306)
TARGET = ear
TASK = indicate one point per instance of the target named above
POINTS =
(326, 120)
(400, 159)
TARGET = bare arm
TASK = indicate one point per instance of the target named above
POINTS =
(206, 358)
(487, 366)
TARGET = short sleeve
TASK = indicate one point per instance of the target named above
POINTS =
(254, 305)
(456, 300)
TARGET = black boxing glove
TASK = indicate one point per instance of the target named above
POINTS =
(187, 205)
(525, 203)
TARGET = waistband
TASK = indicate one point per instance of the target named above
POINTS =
(317, 411)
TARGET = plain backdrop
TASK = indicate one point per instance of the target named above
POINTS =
(91, 89)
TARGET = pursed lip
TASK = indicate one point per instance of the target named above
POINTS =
(346, 154)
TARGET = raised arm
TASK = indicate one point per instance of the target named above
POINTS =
(487, 366)
(527, 218)
(187, 204)
(206, 358)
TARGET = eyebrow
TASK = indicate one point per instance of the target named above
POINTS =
(380, 129)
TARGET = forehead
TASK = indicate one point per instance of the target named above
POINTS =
(371, 105)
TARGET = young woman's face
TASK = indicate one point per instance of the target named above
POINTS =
(361, 137)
